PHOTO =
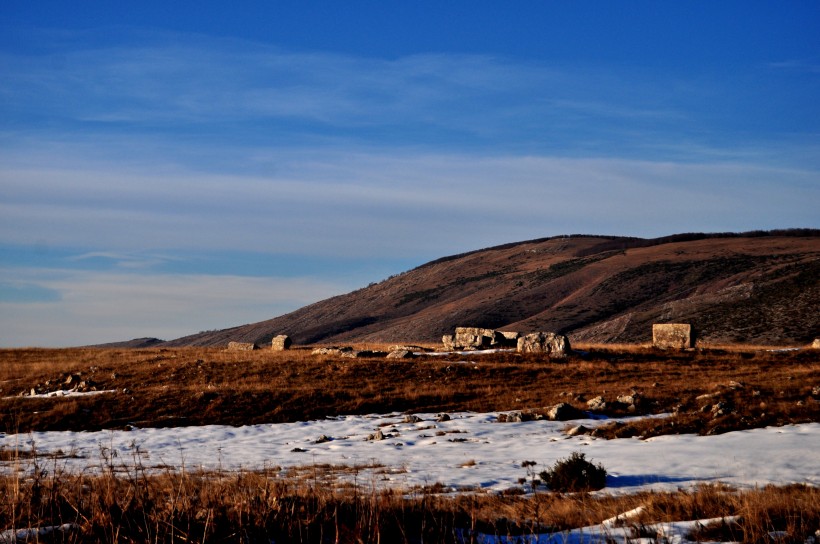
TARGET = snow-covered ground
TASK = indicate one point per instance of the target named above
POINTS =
(471, 450)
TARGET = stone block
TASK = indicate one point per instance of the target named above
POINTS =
(672, 335)
(281, 342)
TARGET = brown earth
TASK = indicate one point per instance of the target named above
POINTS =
(761, 287)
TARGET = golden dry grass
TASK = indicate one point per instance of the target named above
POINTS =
(168, 387)
(301, 506)
(196, 386)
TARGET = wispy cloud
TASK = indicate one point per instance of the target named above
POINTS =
(91, 307)
(329, 202)
(212, 85)
(798, 65)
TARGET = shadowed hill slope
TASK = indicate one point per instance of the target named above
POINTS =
(760, 287)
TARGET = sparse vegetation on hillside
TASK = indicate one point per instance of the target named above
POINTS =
(758, 287)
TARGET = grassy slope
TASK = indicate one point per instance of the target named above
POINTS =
(762, 289)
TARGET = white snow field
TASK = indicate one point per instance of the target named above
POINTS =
(470, 451)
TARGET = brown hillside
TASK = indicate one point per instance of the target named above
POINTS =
(755, 287)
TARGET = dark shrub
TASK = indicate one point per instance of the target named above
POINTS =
(574, 474)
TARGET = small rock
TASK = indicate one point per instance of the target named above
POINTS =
(406, 348)
(411, 418)
(721, 409)
(332, 350)
(401, 354)
(378, 435)
(241, 346)
(514, 417)
(580, 429)
(443, 417)
(322, 439)
(596, 404)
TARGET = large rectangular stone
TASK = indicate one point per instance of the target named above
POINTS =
(672, 335)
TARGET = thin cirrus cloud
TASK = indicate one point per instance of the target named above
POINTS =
(329, 203)
(200, 84)
(77, 307)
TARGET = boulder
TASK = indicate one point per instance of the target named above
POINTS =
(361, 354)
(564, 412)
(597, 404)
(476, 338)
(580, 429)
(241, 346)
(816, 343)
(672, 335)
(401, 354)
(554, 345)
(332, 350)
(281, 342)
(628, 400)
(510, 338)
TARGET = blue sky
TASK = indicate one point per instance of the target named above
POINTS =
(170, 167)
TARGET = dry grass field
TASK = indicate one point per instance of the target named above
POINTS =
(273, 506)
(197, 386)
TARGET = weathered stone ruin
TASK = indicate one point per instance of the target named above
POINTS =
(241, 346)
(469, 338)
(554, 345)
(281, 342)
(672, 335)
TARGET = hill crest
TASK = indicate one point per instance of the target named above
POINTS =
(757, 287)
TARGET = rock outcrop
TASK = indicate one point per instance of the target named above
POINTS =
(470, 338)
(554, 345)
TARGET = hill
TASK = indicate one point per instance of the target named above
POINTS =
(758, 287)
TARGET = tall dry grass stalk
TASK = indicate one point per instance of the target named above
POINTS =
(126, 503)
